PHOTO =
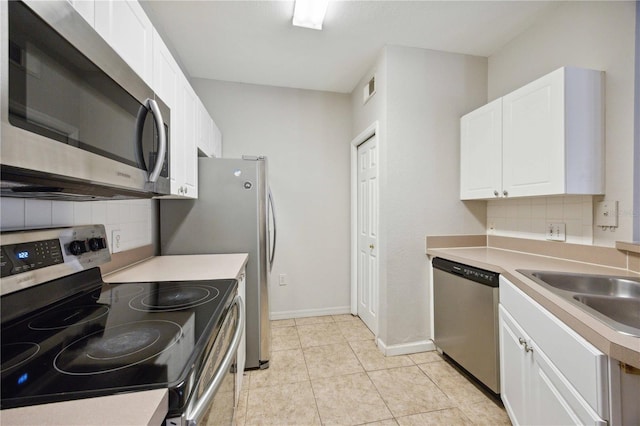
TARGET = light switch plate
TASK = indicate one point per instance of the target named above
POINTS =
(556, 231)
(607, 213)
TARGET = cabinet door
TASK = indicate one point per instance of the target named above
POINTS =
(514, 369)
(554, 401)
(217, 141)
(481, 152)
(166, 83)
(533, 144)
(190, 150)
(205, 128)
(128, 30)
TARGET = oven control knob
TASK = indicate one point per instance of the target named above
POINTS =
(96, 244)
(77, 247)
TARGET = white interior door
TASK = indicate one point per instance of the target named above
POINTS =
(367, 222)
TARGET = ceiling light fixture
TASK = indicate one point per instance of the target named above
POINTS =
(309, 13)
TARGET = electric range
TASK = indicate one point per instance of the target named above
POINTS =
(75, 336)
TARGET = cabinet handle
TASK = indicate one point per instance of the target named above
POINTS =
(524, 343)
(505, 193)
(496, 193)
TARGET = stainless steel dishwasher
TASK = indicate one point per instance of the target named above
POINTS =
(466, 318)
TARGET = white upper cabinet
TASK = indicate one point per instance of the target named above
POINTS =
(481, 152)
(126, 27)
(167, 83)
(189, 119)
(209, 138)
(86, 8)
(205, 131)
(217, 141)
(552, 139)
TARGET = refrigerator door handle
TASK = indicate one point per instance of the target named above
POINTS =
(272, 209)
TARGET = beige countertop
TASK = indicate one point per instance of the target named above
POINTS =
(622, 347)
(134, 408)
(182, 267)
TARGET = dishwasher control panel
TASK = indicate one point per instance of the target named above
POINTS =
(481, 276)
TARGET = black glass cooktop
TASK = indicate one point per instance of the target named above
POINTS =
(110, 338)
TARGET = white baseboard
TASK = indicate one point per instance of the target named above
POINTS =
(339, 310)
(406, 348)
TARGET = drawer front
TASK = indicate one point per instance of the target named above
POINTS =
(583, 365)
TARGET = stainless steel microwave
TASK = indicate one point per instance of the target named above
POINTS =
(77, 122)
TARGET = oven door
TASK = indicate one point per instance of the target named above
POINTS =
(214, 400)
(73, 109)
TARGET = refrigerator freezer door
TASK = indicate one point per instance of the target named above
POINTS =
(229, 216)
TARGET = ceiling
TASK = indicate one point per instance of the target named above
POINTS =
(254, 41)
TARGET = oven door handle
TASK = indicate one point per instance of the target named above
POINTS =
(196, 414)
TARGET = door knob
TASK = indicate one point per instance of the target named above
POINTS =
(371, 246)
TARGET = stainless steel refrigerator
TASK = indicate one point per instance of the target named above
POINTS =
(233, 214)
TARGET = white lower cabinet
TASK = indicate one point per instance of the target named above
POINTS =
(242, 349)
(549, 374)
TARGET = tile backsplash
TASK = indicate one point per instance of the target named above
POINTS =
(528, 217)
(132, 217)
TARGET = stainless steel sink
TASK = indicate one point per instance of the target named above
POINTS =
(613, 300)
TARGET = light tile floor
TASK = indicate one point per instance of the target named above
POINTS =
(327, 371)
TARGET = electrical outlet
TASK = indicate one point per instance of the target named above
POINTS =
(283, 279)
(116, 241)
(556, 231)
(607, 214)
(491, 228)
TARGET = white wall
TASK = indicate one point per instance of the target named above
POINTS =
(134, 218)
(363, 116)
(598, 35)
(425, 93)
(305, 136)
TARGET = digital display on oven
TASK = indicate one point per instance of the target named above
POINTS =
(19, 258)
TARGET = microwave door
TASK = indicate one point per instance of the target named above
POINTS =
(67, 117)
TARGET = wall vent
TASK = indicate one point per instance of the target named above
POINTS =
(369, 90)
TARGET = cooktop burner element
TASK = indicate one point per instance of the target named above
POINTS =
(15, 354)
(170, 298)
(68, 317)
(117, 347)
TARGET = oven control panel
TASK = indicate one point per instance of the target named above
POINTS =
(23, 257)
(34, 256)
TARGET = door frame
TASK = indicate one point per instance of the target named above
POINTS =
(372, 130)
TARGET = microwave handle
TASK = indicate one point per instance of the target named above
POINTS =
(162, 136)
